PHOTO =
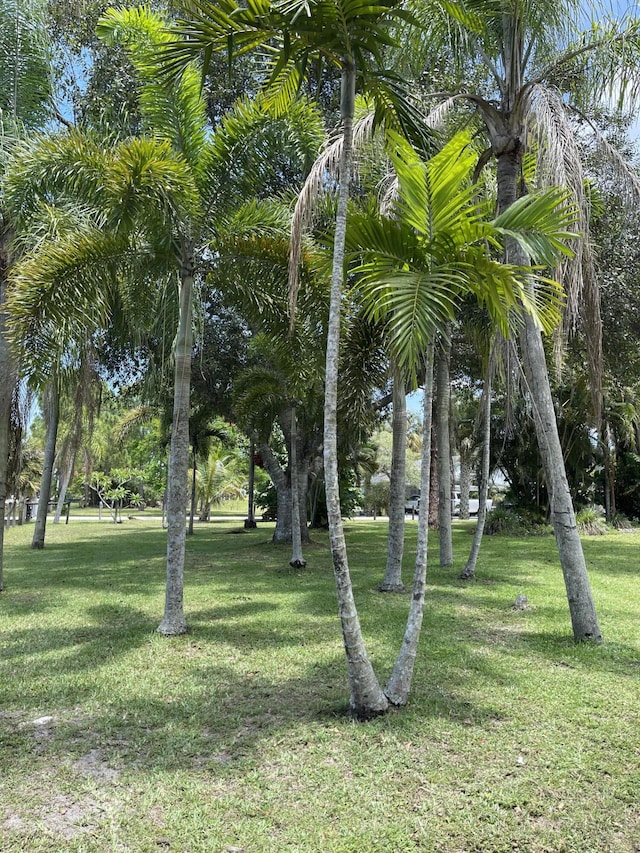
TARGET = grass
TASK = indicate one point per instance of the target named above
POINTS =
(234, 737)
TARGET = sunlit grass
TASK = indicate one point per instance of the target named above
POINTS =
(234, 736)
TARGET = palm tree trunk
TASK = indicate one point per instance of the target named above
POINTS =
(192, 507)
(392, 581)
(581, 606)
(174, 622)
(297, 560)
(249, 521)
(53, 419)
(433, 479)
(7, 381)
(399, 684)
(67, 474)
(483, 487)
(465, 478)
(367, 698)
(443, 406)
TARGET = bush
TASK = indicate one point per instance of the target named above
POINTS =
(514, 522)
(590, 521)
(619, 521)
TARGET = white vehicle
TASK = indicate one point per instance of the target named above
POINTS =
(412, 504)
(474, 502)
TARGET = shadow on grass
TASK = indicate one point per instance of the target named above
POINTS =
(224, 724)
(118, 630)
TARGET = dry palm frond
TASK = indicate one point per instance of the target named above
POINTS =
(324, 173)
(559, 163)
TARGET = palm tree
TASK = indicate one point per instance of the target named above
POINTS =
(417, 263)
(154, 202)
(218, 478)
(25, 90)
(538, 63)
(349, 36)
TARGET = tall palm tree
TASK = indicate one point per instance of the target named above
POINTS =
(25, 92)
(154, 203)
(350, 37)
(538, 63)
(415, 265)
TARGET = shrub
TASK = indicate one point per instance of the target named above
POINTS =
(590, 521)
(514, 522)
(619, 521)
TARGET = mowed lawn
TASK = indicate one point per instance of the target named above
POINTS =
(235, 738)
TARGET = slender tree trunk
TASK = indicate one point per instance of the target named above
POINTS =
(282, 484)
(483, 487)
(7, 382)
(174, 622)
(192, 507)
(367, 698)
(443, 407)
(609, 473)
(392, 581)
(433, 479)
(53, 419)
(250, 522)
(465, 477)
(64, 482)
(581, 606)
(297, 560)
(399, 684)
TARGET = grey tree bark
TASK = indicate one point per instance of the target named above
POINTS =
(433, 479)
(392, 581)
(443, 405)
(367, 699)
(67, 473)
(581, 605)
(483, 486)
(192, 504)
(399, 683)
(466, 454)
(7, 383)
(52, 396)
(297, 560)
(282, 533)
(249, 521)
(174, 622)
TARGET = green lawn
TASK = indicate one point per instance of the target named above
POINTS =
(234, 737)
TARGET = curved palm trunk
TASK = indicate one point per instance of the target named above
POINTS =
(443, 401)
(53, 419)
(399, 684)
(297, 560)
(392, 581)
(367, 698)
(282, 533)
(470, 568)
(174, 622)
(67, 474)
(581, 606)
